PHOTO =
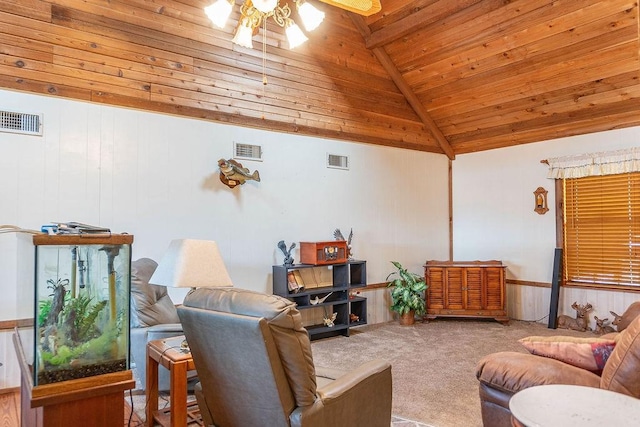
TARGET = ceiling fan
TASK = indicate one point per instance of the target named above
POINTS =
(254, 13)
(361, 7)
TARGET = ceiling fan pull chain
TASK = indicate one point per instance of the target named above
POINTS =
(264, 54)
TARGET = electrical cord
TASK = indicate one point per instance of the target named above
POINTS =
(533, 321)
(131, 412)
(181, 348)
(162, 396)
(7, 228)
(129, 422)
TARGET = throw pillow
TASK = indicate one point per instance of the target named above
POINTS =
(585, 353)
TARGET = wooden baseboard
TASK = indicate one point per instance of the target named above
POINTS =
(9, 390)
(527, 283)
(11, 324)
(372, 286)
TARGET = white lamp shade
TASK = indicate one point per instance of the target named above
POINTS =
(310, 15)
(192, 263)
(219, 12)
(244, 35)
(295, 36)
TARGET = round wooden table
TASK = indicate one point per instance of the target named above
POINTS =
(573, 406)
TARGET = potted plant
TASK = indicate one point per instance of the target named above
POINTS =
(407, 295)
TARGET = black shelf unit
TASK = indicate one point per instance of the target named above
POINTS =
(346, 279)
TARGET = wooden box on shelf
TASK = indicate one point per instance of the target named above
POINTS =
(466, 289)
(321, 291)
(322, 253)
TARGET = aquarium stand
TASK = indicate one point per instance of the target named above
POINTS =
(93, 401)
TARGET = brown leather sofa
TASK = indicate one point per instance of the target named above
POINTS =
(255, 365)
(503, 374)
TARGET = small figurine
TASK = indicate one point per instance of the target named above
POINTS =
(580, 323)
(338, 236)
(57, 305)
(232, 173)
(330, 321)
(621, 322)
(601, 328)
(354, 318)
(316, 300)
(288, 259)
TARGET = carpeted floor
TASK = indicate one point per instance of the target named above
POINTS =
(137, 400)
(433, 364)
(136, 419)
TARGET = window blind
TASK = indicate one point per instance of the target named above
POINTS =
(602, 230)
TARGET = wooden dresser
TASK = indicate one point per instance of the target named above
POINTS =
(466, 289)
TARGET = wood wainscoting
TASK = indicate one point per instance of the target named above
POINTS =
(10, 407)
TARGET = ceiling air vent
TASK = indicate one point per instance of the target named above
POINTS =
(247, 151)
(27, 124)
(338, 162)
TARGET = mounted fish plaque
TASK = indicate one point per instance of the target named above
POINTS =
(233, 173)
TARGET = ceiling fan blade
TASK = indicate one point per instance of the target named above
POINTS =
(361, 7)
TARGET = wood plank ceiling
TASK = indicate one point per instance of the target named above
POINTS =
(442, 76)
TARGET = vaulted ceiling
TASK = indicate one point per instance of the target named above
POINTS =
(442, 76)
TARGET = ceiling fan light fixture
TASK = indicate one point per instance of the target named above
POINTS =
(311, 17)
(265, 6)
(244, 34)
(295, 36)
(361, 7)
(255, 12)
(219, 12)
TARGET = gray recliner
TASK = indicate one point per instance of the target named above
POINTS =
(255, 365)
(153, 317)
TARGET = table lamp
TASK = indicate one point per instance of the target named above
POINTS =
(190, 263)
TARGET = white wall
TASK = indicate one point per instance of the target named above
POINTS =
(493, 218)
(156, 177)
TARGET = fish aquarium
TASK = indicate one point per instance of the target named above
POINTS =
(82, 291)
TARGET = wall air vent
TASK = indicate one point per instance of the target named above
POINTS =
(27, 124)
(337, 162)
(247, 151)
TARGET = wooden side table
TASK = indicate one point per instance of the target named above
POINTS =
(573, 406)
(169, 353)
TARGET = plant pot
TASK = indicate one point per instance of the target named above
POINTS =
(408, 318)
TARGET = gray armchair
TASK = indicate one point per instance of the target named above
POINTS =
(255, 365)
(153, 317)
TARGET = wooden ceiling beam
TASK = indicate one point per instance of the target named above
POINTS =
(404, 87)
(416, 20)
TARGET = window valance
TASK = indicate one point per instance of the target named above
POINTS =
(595, 164)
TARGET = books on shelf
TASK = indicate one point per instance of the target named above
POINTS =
(309, 278)
(295, 283)
(316, 277)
